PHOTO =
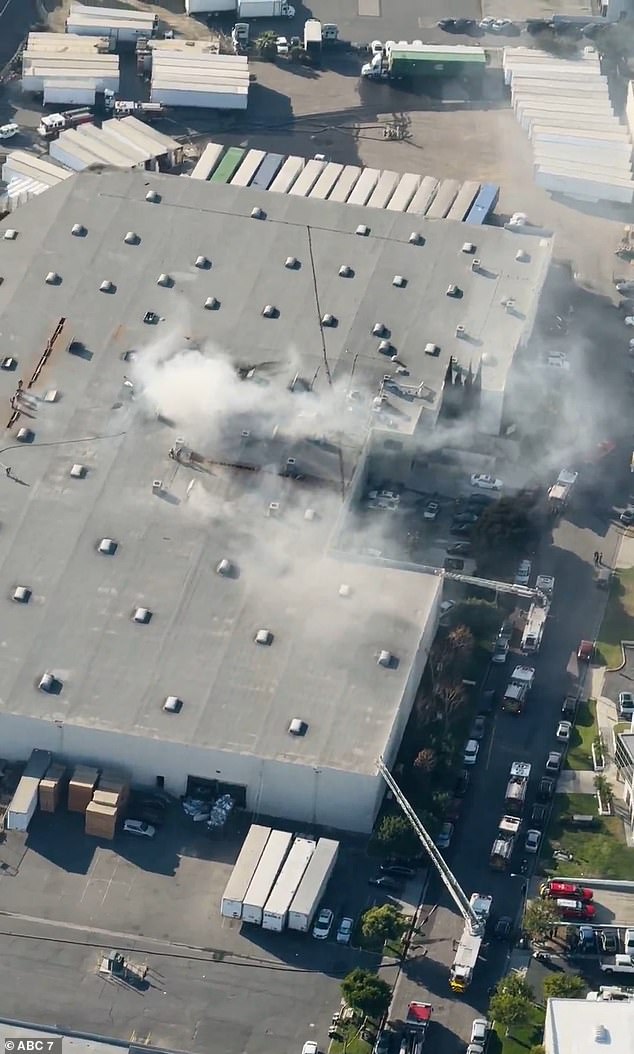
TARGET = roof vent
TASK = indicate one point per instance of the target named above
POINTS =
(601, 1034)
(460, 332)
(453, 290)
(379, 329)
(79, 230)
(257, 213)
(274, 508)
(432, 349)
(509, 306)
(245, 433)
(329, 320)
(522, 256)
(362, 230)
(345, 271)
(264, 636)
(225, 567)
(212, 304)
(132, 238)
(25, 435)
(416, 238)
(9, 363)
(21, 594)
(270, 311)
(344, 590)
(292, 263)
(203, 262)
(153, 196)
(165, 280)
(385, 347)
(53, 278)
(385, 658)
(107, 546)
(309, 514)
(142, 616)
(157, 486)
(297, 727)
(107, 286)
(151, 318)
(476, 263)
(399, 281)
(49, 683)
(78, 471)
(468, 247)
(51, 395)
(10, 235)
(173, 705)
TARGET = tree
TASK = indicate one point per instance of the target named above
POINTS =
(481, 617)
(266, 45)
(515, 984)
(450, 654)
(507, 528)
(510, 1010)
(382, 924)
(425, 763)
(366, 992)
(395, 835)
(450, 698)
(540, 916)
(564, 986)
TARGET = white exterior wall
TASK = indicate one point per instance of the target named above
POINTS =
(72, 156)
(586, 189)
(629, 109)
(229, 99)
(198, 7)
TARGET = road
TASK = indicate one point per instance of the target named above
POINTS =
(16, 18)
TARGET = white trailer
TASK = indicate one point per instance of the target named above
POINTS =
(264, 9)
(265, 876)
(312, 886)
(243, 871)
(24, 802)
(281, 897)
(124, 24)
(307, 179)
(69, 94)
(209, 7)
(443, 199)
(222, 96)
(207, 161)
(387, 184)
(326, 180)
(247, 168)
(344, 185)
(364, 186)
(407, 187)
(424, 196)
(287, 175)
(464, 200)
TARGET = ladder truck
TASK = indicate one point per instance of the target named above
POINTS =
(475, 917)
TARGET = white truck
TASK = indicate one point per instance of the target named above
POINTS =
(534, 628)
(517, 690)
(502, 848)
(277, 907)
(517, 787)
(242, 8)
(313, 885)
(618, 964)
(264, 877)
(51, 124)
(469, 945)
(559, 493)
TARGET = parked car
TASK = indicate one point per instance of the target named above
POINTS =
(487, 701)
(538, 25)
(628, 942)
(503, 928)
(446, 607)
(310, 1047)
(385, 882)
(484, 482)
(575, 909)
(323, 924)
(479, 1030)
(471, 752)
(626, 703)
(478, 728)
(553, 761)
(431, 510)
(569, 706)
(457, 25)
(609, 942)
(7, 131)
(627, 517)
(625, 287)
(344, 932)
(538, 815)
(465, 517)
(564, 729)
(533, 838)
(500, 652)
(462, 784)
(139, 827)
(383, 1043)
(397, 870)
(523, 573)
(545, 789)
(444, 836)
(585, 651)
(415, 862)
(458, 549)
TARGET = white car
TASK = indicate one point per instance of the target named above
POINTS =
(431, 510)
(7, 131)
(344, 933)
(475, 1048)
(443, 839)
(479, 1030)
(629, 320)
(533, 838)
(564, 729)
(446, 607)
(471, 752)
(310, 1047)
(484, 482)
(523, 573)
(500, 651)
(558, 361)
(626, 702)
(323, 925)
(138, 827)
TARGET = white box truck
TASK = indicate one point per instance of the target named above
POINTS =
(243, 871)
(265, 876)
(277, 906)
(312, 886)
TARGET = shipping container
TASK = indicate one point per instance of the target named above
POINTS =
(344, 185)
(207, 161)
(402, 196)
(243, 871)
(424, 196)
(443, 199)
(202, 7)
(69, 94)
(307, 179)
(247, 168)
(464, 200)
(585, 188)
(228, 165)
(267, 171)
(387, 184)
(483, 205)
(265, 876)
(220, 97)
(277, 906)
(326, 181)
(24, 802)
(313, 885)
(287, 175)
(364, 186)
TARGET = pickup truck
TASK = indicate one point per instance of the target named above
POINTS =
(618, 964)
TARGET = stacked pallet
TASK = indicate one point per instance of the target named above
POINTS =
(81, 787)
(51, 787)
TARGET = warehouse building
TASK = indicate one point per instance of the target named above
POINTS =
(122, 25)
(68, 70)
(120, 143)
(174, 594)
(199, 77)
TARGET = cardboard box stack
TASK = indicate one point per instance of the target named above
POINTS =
(81, 787)
(101, 820)
(52, 787)
(108, 802)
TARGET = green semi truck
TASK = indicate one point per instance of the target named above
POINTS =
(416, 61)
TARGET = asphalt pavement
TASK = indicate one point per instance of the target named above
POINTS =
(16, 18)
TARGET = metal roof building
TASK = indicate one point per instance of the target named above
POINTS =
(31, 166)
(199, 78)
(176, 538)
(123, 25)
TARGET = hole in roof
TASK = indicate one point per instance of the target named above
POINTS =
(132, 238)
(212, 303)
(107, 546)
(10, 235)
(107, 286)
(173, 705)
(292, 263)
(154, 196)
(53, 278)
(258, 214)
(21, 594)
(297, 727)
(362, 230)
(78, 471)
(142, 616)
(165, 280)
(270, 311)
(203, 262)
(9, 363)
(399, 281)
(78, 230)
(264, 636)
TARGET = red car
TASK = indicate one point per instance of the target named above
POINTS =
(566, 890)
(576, 909)
(585, 651)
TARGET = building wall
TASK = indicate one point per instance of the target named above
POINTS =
(629, 108)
